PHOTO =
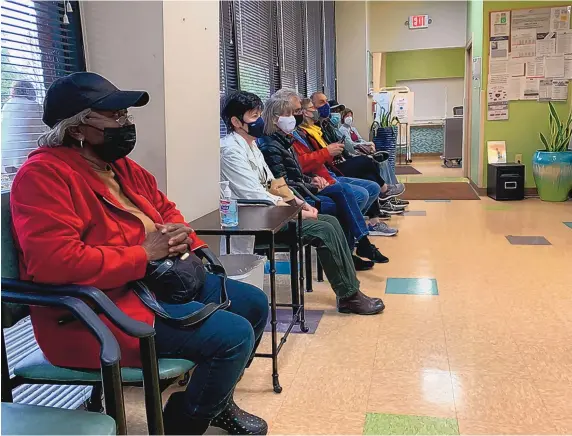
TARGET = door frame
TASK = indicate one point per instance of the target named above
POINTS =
(467, 109)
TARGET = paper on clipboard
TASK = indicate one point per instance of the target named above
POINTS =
(560, 90)
(564, 42)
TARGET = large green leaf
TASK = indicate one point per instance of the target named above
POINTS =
(545, 142)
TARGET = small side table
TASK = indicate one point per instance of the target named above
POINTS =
(505, 181)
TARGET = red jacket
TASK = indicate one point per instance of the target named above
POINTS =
(314, 162)
(69, 229)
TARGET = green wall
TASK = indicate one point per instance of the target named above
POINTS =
(526, 118)
(424, 64)
(475, 30)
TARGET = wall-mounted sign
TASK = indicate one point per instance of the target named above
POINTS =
(419, 21)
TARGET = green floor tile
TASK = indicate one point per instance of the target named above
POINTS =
(411, 286)
(381, 424)
(497, 207)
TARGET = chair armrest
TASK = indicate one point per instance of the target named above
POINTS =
(123, 322)
(110, 352)
(255, 202)
(316, 200)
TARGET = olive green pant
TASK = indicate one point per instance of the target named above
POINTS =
(327, 236)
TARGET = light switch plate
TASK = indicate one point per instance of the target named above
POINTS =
(518, 158)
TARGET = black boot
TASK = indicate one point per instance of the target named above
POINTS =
(176, 421)
(361, 264)
(236, 421)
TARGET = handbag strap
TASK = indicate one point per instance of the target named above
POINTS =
(149, 300)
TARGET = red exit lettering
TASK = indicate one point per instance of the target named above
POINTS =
(418, 21)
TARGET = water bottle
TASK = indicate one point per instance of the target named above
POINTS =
(228, 207)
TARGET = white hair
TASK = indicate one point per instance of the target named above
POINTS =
(55, 136)
(275, 107)
(286, 93)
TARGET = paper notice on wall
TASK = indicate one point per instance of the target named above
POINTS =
(545, 44)
(516, 66)
(545, 90)
(554, 66)
(560, 18)
(499, 47)
(564, 42)
(537, 19)
(497, 111)
(523, 43)
(531, 89)
(497, 94)
(498, 80)
(500, 66)
(535, 67)
(560, 90)
(516, 88)
(400, 106)
(568, 66)
(500, 23)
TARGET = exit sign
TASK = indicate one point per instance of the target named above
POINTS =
(419, 21)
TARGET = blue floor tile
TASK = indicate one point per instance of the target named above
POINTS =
(527, 240)
(411, 286)
(568, 224)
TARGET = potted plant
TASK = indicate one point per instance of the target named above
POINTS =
(384, 133)
(552, 167)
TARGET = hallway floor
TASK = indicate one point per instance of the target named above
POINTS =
(431, 167)
(482, 344)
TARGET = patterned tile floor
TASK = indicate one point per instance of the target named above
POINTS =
(491, 354)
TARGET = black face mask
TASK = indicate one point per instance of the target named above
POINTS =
(118, 142)
(256, 128)
(299, 119)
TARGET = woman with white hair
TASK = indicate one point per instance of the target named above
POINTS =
(85, 214)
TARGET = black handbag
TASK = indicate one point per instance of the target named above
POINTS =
(176, 280)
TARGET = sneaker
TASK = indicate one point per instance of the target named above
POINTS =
(392, 192)
(384, 216)
(399, 202)
(370, 251)
(391, 209)
(362, 264)
(381, 229)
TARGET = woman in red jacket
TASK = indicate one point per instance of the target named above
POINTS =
(83, 213)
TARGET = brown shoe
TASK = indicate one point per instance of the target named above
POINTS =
(360, 304)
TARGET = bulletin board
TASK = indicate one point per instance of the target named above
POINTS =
(530, 57)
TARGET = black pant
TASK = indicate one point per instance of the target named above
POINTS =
(363, 167)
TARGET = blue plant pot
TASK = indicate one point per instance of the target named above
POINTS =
(385, 140)
(552, 173)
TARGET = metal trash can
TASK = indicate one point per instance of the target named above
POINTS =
(246, 268)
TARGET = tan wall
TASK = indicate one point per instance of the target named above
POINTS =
(124, 42)
(351, 61)
(191, 47)
(169, 49)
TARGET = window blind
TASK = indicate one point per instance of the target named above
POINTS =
(314, 36)
(329, 26)
(255, 39)
(291, 45)
(227, 54)
(41, 41)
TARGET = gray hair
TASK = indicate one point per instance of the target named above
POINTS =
(273, 108)
(286, 93)
(55, 136)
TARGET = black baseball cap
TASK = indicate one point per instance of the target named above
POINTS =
(334, 105)
(70, 95)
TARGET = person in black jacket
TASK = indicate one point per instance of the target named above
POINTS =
(279, 123)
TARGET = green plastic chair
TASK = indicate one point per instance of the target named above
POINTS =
(156, 374)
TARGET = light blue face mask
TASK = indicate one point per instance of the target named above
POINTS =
(336, 119)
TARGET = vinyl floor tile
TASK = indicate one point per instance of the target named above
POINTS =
(302, 421)
(383, 424)
(410, 286)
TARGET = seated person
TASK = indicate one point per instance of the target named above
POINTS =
(354, 143)
(85, 214)
(243, 166)
(279, 123)
(324, 132)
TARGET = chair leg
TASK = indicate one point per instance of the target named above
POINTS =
(320, 271)
(308, 255)
(95, 403)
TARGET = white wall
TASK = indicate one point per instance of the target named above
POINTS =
(351, 59)
(387, 31)
(124, 43)
(171, 50)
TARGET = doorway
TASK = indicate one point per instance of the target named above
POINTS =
(467, 105)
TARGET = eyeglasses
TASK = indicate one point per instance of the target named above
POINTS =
(122, 118)
(298, 111)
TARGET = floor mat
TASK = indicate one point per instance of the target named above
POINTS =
(401, 170)
(439, 191)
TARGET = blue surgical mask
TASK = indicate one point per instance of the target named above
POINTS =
(324, 110)
(336, 119)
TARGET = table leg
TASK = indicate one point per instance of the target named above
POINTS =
(301, 291)
(273, 321)
(294, 270)
(227, 244)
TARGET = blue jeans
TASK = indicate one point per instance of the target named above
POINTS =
(221, 346)
(365, 191)
(339, 200)
(387, 172)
